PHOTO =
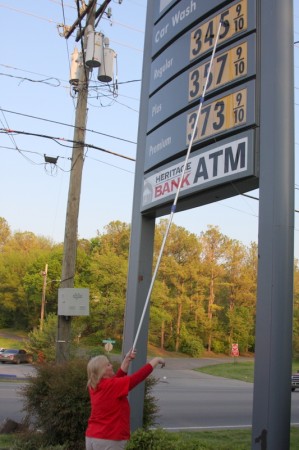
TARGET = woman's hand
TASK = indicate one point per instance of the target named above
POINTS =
(127, 359)
(158, 360)
(131, 354)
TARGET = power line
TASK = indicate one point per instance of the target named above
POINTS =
(64, 157)
(67, 125)
(58, 139)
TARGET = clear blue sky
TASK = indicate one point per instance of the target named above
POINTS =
(34, 196)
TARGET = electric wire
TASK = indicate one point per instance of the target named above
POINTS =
(58, 139)
(68, 125)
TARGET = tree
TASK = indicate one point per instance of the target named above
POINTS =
(5, 232)
(214, 246)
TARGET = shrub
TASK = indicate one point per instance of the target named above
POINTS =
(192, 347)
(150, 407)
(162, 440)
(57, 402)
(151, 440)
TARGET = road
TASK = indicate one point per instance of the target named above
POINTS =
(194, 400)
(187, 399)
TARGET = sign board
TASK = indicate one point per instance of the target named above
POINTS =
(73, 302)
(228, 160)
(108, 347)
(180, 43)
(182, 52)
(234, 63)
(222, 114)
(235, 350)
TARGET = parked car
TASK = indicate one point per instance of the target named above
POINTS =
(295, 381)
(15, 356)
(2, 350)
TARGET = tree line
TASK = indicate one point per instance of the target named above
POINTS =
(204, 295)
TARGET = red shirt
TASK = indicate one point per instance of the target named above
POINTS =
(110, 409)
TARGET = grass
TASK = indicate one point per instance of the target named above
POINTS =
(208, 440)
(238, 370)
(12, 339)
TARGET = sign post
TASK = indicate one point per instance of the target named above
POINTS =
(244, 139)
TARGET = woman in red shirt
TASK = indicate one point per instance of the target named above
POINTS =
(109, 422)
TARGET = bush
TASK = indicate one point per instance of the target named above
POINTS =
(162, 440)
(34, 441)
(150, 407)
(57, 402)
(192, 347)
(151, 440)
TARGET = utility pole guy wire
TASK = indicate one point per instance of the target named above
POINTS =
(173, 208)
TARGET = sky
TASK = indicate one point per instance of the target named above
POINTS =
(38, 104)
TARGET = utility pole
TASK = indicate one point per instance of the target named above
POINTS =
(42, 311)
(72, 214)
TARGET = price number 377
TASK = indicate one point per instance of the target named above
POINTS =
(223, 114)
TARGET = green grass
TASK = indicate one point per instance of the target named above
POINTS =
(237, 370)
(208, 440)
(6, 441)
(12, 339)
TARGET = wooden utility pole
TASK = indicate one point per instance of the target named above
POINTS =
(42, 311)
(72, 214)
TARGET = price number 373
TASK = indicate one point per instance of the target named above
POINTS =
(221, 115)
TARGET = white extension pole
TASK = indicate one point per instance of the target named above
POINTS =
(173, 208)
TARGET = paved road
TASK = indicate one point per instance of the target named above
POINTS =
(187, 399)
(193, 400)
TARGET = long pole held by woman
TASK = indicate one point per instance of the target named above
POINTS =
(173, 208)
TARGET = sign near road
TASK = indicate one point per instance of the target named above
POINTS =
(223, 113)
(235, 350)
(181, 43)
(237, 62)
(231, 159)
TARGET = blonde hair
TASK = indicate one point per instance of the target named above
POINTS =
(95, 370)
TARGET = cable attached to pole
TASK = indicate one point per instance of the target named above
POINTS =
(173, 208)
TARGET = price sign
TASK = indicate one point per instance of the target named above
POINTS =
(203, 37)
(219, 116)
(236, 63)
(227, 67)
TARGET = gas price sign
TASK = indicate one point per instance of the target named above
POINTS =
(234, 20)
(182, 48)
(221, 115)
(228, 66)
(233, 64)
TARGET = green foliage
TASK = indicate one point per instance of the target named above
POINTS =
(162, 440)
(44, 340)
(57, 402)
(205, 291)
(193, 347)
(151, 440)
(34, 441)
(150, 407)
